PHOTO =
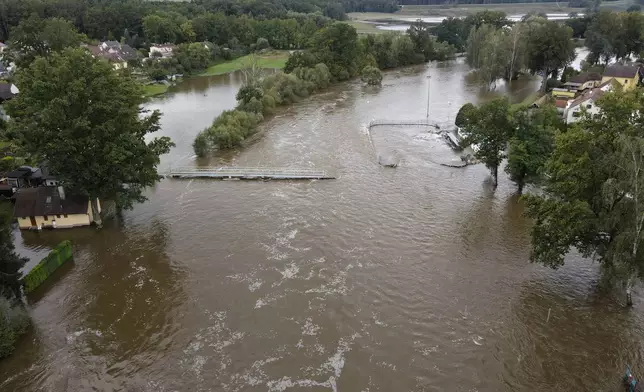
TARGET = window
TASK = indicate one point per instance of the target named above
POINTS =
(625, 81)
(589, 106)
(65, 215)
(576, 114)
(58, 216)
(46, 217)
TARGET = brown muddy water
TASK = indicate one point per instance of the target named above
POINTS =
(408, 279)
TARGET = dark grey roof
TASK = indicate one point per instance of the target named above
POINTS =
(621, 71)
(585, 77)
(45, 200)
(5, 92)
(19, 173)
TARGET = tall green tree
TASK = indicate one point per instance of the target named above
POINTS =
(86, 121)
(593, 196)
(10, 262)
(35, 37)
(549, 47)
(488, 130)
(420, 35)
(531, 144)
(452, 31)
(336, 46)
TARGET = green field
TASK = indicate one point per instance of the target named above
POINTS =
(154, 89)
(275, 59)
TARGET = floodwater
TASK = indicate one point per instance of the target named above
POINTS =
(408, 279)
(439, 19)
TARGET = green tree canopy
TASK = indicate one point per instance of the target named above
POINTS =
(85, 120)
(10, 262)
(549, 47)
(488, 129)
(336, 46)
(35, 37)
(593, 196)
(531, 144)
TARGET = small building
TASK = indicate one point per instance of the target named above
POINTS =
(561, 105)
(8, 91)
(584, 81)
(49, 207)
(628, 76)
(116, 53)
(24, 176)
(164, 51)
(563, 93)
(586, 103)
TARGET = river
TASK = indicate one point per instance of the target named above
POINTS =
(408, 279)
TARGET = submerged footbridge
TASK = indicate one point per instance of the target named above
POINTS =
(249, 173)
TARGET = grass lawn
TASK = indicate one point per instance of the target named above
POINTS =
(154, 89)
(276, 59)
(529, 100)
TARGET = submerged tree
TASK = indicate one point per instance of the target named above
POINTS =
(549, 47)
(10, 262)
(86, 121)
(531, 144)
(593, 197)
(488, 130)
(372, 76)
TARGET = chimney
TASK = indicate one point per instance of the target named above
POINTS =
(61, 193)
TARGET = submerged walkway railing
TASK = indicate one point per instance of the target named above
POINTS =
(410, 123)
(249, 173)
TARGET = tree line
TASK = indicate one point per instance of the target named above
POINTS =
(113, 19)
(590, 175)
(336, 53)
(497, 48)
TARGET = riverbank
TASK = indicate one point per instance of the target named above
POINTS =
(152, 90)
(274, 59)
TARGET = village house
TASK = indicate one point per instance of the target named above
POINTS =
(116, 53)
(587, 102)
(628, 76)
(48, 207)
(584, 81)
(164, 51)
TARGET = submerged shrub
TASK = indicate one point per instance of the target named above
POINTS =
(372, 76)
(14, 322)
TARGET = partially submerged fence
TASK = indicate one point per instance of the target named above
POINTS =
(43, 270)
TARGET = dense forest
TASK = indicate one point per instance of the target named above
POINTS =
(102, 19)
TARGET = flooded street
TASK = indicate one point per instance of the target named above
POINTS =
(408, 279)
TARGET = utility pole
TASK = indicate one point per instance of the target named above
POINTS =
(428, 83)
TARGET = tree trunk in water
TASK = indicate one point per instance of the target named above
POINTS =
(520, 186)
(495, 175)
(96, 215)
(629, 297)
(544, 82)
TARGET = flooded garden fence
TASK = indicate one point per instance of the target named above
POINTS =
(43, 270)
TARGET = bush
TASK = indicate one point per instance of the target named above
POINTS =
(372, 76)
(7, 163)
(14, 322)
(262, 43)
(227, 131)
(463, 114)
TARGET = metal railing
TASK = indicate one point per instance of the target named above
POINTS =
(247, 172)
(378, 122)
